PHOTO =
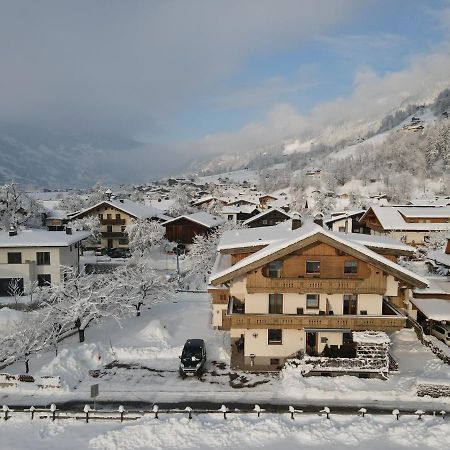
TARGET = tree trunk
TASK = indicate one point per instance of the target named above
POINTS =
(81, 334)
(138, 308)
(27, 366)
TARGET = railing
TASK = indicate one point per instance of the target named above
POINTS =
(257, 283)
(113, 234)
(112, 221)
(288, 321)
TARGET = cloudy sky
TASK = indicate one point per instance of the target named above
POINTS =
(196, 77)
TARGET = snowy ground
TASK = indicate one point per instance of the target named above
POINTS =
(138, 361)
(238, 431)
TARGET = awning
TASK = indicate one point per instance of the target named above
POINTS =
(433, 308)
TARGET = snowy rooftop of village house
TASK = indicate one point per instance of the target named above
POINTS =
(434, 308)
(246, 209)
(265, 213)
(435, 286)
(343, 215)
(440, 257)
(137, 210)
(391, 218)
(41, 238)
(308, 230)
(203, 218)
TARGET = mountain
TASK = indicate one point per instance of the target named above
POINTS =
(41, 158)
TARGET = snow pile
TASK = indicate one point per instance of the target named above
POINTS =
(306, 431)
(73, 363)
(370, 337)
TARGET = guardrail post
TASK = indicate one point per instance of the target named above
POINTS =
(362, 411)
(5, 409)
(442, 413)
(121, 412)
(224, 409)
(292, 411)
(327, 411)
(53, 411)
(86, 409)
(32, 409)
(155, 410)
(396, 413)
(258, 410)
(189, 411)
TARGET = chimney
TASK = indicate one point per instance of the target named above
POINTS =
(121, 200)
(296, 221)
(68, 230)
(447, 249)
(12, 230)
(108, 194)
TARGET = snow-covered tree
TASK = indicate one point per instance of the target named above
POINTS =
(17, 208)
(182, 196)
(145, 236)
(437, 240)
(14, 289)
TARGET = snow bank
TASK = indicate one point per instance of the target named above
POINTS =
(306, 431)
(9, 318)
(73, 364)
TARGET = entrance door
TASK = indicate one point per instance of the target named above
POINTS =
(311, 343)
(110, 243)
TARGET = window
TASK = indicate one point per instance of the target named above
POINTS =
(230, 216)
(108, 216)
(274, 269)
(347, 337)
(123, 228)
(312, 301)
(313, 267)
(109, 228)
(44, 279)
(323, 340)
(274, 336)
(118, 216)
(14, 258)
(350, 304)
(275, 303)
(100, 216)
(43, 258)
(274, 361)
(350, 267)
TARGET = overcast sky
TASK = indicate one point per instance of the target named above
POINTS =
(205, 76)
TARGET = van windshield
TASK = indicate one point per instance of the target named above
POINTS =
(192, 352)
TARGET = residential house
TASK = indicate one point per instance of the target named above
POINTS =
(38, 255)
(115, 215)
(347, 222)
(410, 224)
(440, 259)
(281, 291)
(269, 217)
(238, 214)
(184, 228)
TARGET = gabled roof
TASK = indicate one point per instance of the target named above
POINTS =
(202, 218)
(41, 238)
(265, 213)
(246, 209)
(344, 215)
(305, 236)
(136, 210)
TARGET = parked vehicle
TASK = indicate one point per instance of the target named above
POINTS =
(442, 332)
(193, 358)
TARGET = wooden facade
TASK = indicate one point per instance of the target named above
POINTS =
(184, 230)
(270, 218)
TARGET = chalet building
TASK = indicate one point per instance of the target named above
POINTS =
(347, 222)
(115, 216)
(281, 292)
(265, 200)
(239, 214)
(410, 224)
(269, 217)
(37, 256)
(184, 228)
(440, 260)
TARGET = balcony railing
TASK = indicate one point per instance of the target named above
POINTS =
(256, 283)
(113, 234)
(291, 321)
(112, 221)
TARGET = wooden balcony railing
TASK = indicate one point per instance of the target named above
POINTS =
(285, 321)
(112, 221)
(257, 283)
(113, 234)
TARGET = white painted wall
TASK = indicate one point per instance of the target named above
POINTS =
(391, 286)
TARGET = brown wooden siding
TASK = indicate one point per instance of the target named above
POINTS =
(219, 296)
(183, 231)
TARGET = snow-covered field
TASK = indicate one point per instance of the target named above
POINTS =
(209, 431)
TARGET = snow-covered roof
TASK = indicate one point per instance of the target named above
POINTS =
(381, 242)
(205, 199)
(344, 215)
(41, 238)
(440, 257)
(134, 209)
(417, 212)
(246, 209)
(390, 218)
(436, 286)
(265, 213)
(433, 308)
(306, 231)
(202, 218)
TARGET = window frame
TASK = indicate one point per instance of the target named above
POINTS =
(44, 261)
(276, 296)
(274, 342)
(11, 258)
(316, 261)
(317, 297)
(279, 271)
(352, 261)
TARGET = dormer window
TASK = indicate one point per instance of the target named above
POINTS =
(274, 269)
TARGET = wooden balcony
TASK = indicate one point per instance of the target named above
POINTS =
(113, 234)
(112, 221)
(285, 321)
(374, 284)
